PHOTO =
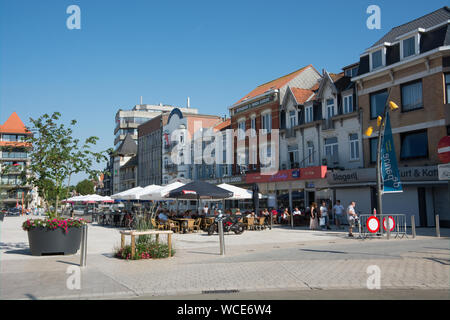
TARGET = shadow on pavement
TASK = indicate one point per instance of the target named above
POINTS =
(15, 248)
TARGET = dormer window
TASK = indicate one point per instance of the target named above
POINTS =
(377, 59)
(409, 47)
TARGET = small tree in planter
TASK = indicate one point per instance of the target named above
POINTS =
(54, 158)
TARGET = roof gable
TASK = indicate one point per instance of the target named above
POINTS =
(14, 125)
(128, 146)
(427, 21)
(274, 84)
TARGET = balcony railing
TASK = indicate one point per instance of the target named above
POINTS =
(14, 155)
(290, 133)
(328, 124)
(331, 161)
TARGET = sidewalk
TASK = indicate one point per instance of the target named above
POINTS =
(256, 261)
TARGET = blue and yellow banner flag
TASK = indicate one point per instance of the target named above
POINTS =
(389, 167)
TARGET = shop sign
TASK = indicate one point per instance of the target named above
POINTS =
(288, 175)
(429, 173)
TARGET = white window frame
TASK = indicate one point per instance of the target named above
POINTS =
(383, 58)
(354, 144)
(347, 106)
(253, 125)
(309, 114)
(416, 46)
(331, 146)
(310, 152)
(241, 131)
(330, 107)
(266, 124)
(292, 118)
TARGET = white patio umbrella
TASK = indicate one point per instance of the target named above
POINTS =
(122, 195)
(137, 195)
(238, 193)
(161, 192)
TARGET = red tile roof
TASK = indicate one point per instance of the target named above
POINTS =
(14, 125)
(223, 125)
(274, 84)
(301, 95)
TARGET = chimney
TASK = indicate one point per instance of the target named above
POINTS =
(141, 100)
(188, 102)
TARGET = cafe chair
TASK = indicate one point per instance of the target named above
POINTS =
(197, 223)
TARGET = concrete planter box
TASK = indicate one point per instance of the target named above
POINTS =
(48, 242)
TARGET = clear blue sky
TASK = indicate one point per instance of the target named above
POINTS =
(212, 51)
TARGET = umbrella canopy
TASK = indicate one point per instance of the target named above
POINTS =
(238, 193)
(161, 192)
(123, 195)
(140, 193)
(199, 190)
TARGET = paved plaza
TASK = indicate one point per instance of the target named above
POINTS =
(281, 263)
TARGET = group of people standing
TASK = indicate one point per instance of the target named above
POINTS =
(320, 217)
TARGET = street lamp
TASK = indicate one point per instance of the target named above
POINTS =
(381, 122)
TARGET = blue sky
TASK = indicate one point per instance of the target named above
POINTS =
(212, 51)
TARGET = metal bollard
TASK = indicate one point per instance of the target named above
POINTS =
(221, 238)
(438, 231)
(83, 246)
(413, 226)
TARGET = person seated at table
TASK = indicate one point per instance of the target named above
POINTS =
(238, 212)
(266, 213)
(187, 214)
(251, 215)
(296, 212)
(162, 216)
(284, 216)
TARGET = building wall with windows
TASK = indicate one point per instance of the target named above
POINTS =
(411, 62)
(14, 159)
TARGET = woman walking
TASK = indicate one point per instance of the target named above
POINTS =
(314, 222)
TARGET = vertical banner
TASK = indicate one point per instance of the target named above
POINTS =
(389, 168)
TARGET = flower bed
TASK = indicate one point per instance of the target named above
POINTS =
(52, 224)
(145, 250)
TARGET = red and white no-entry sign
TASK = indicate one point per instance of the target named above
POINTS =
(444, 149)
(373, 224)
(391, 223)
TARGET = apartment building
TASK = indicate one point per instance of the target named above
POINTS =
(150, 150)
(125, 165)
(410, 65)
(186, 132)
(254, 117)
(320, 130)
(14, 159)
(128, 121)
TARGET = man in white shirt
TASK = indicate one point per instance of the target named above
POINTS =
(338, 211)
(324, 215)
(351, 217)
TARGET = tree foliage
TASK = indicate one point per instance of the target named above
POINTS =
(56, 156)
(85, 187)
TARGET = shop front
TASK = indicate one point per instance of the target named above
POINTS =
(423, 196)
(290, 188)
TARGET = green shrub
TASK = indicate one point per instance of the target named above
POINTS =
(145, 249)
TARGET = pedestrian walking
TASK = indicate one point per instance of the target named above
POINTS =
(324, 221)
(351, 217)
(314, 221)
(338, 211)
